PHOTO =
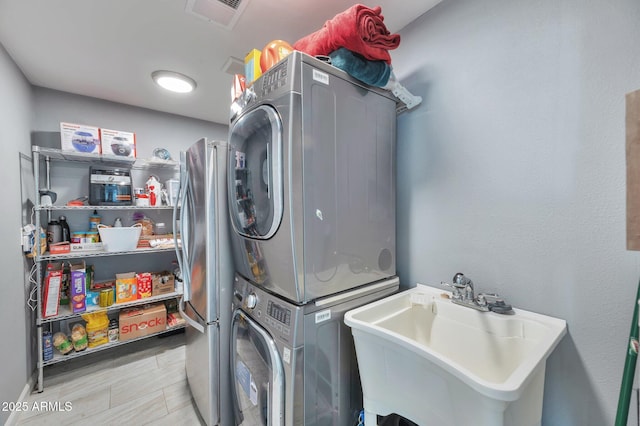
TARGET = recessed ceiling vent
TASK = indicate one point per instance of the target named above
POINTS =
(224, 13)
(233, 66)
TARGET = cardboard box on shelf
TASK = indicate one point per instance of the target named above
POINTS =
(162, 283)
(174, 319)
(117, 142)
(126, 288)
(77, 288)
(142, 321)
(80, 138)
(144, 284)
(100, 285)
(59, 248)
(92, 298)
(52, 288)
(76, 247)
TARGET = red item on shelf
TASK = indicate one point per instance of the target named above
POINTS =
(359, 29)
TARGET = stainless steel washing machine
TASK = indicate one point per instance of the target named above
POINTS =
(312, 181)
(296, 364)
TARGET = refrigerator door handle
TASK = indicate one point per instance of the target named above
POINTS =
(185, 236)
(187, 318)
(179, 231)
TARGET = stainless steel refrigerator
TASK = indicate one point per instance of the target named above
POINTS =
(207, 272)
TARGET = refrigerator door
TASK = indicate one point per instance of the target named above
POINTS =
(200, 226)
(206, 269)
(186, 201)
(202, 363)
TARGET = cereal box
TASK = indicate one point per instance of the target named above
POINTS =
(144, 284)
(126, 287)
(52, 288)
(77, 290)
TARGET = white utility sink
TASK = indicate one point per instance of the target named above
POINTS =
(439, 363)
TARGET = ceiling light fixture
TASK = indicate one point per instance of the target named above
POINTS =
(174, 81)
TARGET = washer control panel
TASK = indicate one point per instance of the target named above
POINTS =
(280, 313)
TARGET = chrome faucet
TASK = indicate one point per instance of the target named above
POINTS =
(463, 293)
(465, 285)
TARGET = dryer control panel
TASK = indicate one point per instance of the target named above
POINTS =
(275, 78)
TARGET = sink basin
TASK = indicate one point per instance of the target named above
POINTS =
(435, 362)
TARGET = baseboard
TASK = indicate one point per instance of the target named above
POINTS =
(15, 415)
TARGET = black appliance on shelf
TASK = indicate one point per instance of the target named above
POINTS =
(110, 186)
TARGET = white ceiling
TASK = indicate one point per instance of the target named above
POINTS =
(108, 49)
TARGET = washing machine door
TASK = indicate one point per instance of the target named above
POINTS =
(255, 168)
(258, 390)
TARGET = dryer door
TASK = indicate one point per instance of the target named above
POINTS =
(258, 390)
(255, 173)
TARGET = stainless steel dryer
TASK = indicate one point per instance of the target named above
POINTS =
(312, 181)
(293, 364)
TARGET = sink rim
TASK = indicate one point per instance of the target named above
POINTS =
(508, 390)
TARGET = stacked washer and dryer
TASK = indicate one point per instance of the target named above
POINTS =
(311, 178)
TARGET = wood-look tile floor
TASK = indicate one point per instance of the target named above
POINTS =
(143, 383)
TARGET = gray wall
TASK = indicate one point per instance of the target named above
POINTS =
(513, 171)
(153, 129)
(15, 124)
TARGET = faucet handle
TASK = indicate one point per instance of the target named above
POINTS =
(455, 285)
(494, 303)
(460, 279)
(456, 289)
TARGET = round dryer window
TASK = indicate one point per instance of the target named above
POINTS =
(255, 167)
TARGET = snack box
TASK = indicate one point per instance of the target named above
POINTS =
(126, 287)
(52, 288)
(59, 248)
(93, 298)
(117, 142)
(80, 138)
(142, 321)
(143, 281)
(77, 288)
(162, 283)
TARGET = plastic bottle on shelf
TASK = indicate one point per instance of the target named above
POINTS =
(117, 223)
(94, 221)
(66, 232)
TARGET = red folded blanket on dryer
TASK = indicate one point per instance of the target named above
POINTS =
(359, 29)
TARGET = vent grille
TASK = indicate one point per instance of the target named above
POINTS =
(221, 12)
(234, 4)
